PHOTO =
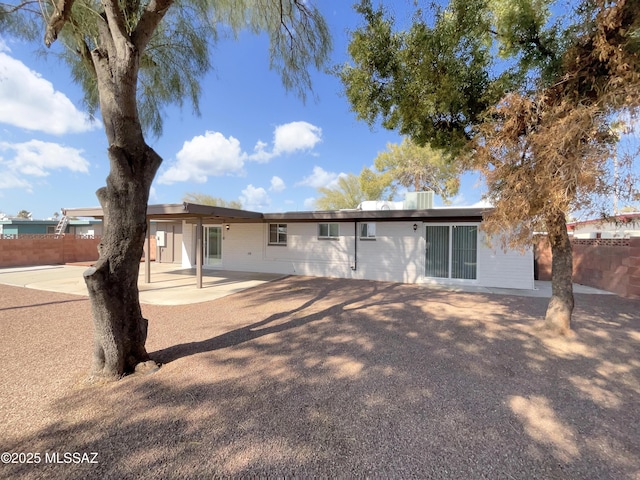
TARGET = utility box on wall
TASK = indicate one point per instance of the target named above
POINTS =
(161, 238)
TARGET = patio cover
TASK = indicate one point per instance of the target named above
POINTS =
(178, 211)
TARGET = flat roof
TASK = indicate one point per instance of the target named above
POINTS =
(174, 210)
(434, 214)
(177, 211)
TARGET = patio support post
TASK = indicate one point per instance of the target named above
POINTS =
(199, 253)
(147, 254)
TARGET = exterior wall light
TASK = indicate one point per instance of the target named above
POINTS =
(415, 227)
(228, 226)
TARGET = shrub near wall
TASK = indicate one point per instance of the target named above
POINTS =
(608, 264)
(30, 250)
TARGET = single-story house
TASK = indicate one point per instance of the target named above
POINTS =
(625, 225)
(419, 245)
(24, 226)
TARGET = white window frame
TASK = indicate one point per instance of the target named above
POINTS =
(367, 231)
(279, 242)
(328, 236)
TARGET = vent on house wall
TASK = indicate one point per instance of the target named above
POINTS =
(418, 200)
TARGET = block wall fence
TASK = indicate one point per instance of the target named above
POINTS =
(31, 250)
(607, 264)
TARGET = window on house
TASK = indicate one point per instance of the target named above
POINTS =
(452, 251)
(328, 230)
(277, 234)
(368, 231)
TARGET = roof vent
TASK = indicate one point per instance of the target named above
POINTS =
(418, 200)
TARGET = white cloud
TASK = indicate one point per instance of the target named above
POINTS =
(211, 154)
(482, 204)
(29, 101)
(277, 184)
(153, 194)
(295, 136)
(37, 158)
(260, 154)
(320, 178)
(310, 203)
(253, 198)
(458, 201)
(288, 138)
(10, 180)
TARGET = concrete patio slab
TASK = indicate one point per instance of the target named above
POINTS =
(170, 284)
(173, 285)
(541, 289)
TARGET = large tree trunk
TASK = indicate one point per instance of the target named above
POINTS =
(120, 331)
(558, 316)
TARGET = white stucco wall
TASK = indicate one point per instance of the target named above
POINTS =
(397, 254)
(497, 268)
(607, 230)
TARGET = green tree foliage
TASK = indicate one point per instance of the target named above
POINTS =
(419, 168)
(25, 214)
(376, 185)
(347, 193)
(504, 86)
(205, 199)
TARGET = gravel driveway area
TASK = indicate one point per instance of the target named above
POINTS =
(327, 378)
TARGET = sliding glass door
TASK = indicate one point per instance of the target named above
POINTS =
(451, 251)
(212, 246)
(437, 264)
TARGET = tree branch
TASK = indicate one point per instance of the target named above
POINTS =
(117, 27)
(153, 14)
(9, 8)
(56, 22)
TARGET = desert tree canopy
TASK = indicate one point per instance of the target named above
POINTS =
(525, 91)
(132, 59)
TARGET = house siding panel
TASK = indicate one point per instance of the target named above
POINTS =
(497, 268)
(396, 254)
(188, 245)
(245, 248)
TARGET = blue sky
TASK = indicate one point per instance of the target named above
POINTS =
(253, 141)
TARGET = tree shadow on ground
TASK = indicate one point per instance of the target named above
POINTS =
(336, 378)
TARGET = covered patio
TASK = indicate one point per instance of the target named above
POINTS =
(171, 285)
(193, 214)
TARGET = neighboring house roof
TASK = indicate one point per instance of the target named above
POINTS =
(26, 221)
(623, 218)
(186, 210)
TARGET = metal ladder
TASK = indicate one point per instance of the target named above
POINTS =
(62, 224)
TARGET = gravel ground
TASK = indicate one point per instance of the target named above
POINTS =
(309, 377)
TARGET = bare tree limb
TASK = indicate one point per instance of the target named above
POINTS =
(153, 14)
(55, 23)
(117, 27)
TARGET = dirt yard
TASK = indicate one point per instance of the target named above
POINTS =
(307, 377)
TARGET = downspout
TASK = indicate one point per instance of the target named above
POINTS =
(355, 246)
